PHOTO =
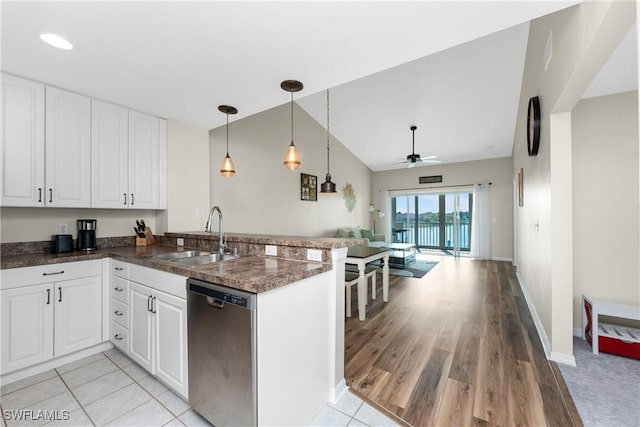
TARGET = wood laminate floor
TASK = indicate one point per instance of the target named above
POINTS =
(457, 347)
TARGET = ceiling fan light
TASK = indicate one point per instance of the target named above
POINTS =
(292, 158)
(228, 169)
(328, 186)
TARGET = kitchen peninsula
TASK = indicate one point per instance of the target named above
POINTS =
(299, 316)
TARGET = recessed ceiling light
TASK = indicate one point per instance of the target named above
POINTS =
(56, 41)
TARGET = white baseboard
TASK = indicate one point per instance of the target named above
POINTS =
(54, 363)
(566, 359)
(546, 345)
(338, 391)
(577, 332)
(500, 258)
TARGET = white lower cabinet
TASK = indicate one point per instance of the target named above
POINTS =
(141, 325)
(41, 321)
(27, 326)
(78, 315)
(156, 333)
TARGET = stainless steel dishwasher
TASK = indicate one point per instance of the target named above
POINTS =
(222, 353)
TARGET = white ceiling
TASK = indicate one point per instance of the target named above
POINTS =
(181, 60)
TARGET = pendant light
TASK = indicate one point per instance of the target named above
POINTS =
(291, 158)
(328, 187)
(228, 169)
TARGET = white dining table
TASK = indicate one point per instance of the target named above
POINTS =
(361, 256)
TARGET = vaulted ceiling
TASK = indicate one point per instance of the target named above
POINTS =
(452, 68)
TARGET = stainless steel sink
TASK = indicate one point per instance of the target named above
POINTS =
(173, 256)
(205, 259)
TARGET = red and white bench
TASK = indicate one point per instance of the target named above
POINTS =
(609, 337)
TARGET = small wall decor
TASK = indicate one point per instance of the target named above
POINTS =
(349, 197)
(520, 188)
(308, 187)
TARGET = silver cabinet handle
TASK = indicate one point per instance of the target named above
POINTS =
(48, 296)
(118, 313)
(117, 289)
(59, 294)
(132, 199)
(125, 198)
(50, 195)
(149, 302)
(39, 194)
(153, 305)
(54, 273)
(118, 268)
(118, 337)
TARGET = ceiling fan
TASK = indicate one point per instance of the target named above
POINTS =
(414, 158)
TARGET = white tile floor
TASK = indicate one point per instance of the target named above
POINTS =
(109, 389)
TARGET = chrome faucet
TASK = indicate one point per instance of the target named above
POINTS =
(221, 238)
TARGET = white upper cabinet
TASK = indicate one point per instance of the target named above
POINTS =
(22, 153)
(110, 156)
(62, 149)
(68, 149)
(128, 148)
(144, 158)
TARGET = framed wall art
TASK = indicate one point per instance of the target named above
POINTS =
(520, 188)
(308, 187)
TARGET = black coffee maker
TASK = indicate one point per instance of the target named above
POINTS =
(86, 240)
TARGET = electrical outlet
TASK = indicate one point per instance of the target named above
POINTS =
(63, 229)
(179, 241)
(271, 250)
(314, 255)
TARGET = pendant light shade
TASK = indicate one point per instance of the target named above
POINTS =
(328, 187)
(291, 158)
(228, 169)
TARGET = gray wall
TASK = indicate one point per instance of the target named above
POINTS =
(264, 197)
(606, 213)
(496, 171)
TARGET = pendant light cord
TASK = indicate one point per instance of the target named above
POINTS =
(292, 117)
(227, 134)
(328, 134)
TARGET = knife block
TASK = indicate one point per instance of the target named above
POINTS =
(148, 240)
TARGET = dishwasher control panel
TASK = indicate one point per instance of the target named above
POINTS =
(218, 294)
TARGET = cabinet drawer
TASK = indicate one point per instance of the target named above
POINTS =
(119, 268)
(16, 277)
(120, 289)
(120, 337)
(120, 312)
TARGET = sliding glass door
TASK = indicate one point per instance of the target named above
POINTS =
(433, 220)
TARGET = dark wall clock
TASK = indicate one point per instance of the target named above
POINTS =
(533, 126)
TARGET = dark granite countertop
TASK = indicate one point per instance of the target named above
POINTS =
(250, 273)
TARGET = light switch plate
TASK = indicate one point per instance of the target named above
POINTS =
(179, 241)
(314, 255)
(271, 250)
(63, 229)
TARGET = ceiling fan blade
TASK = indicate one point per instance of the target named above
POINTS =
(431, 162)
(428, 158)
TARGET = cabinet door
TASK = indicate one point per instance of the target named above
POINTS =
(27, 326)
(22, 153)
(144, 158)
(68, 149)
(170, 339)
(141, 325)
(78, 314)
(109, 156)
